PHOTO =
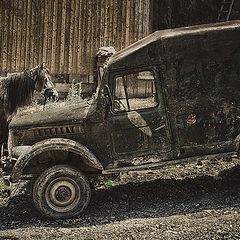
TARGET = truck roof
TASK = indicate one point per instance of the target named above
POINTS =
(161, 35)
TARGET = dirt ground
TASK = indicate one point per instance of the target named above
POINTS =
(193, 201)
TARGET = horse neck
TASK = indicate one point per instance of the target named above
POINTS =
(19, 90)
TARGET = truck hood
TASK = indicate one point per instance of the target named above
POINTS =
(66, 114)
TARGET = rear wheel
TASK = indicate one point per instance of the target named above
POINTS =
(61, 192)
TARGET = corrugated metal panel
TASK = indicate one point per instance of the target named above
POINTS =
(67, 33)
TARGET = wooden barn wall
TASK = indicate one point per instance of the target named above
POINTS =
(177, 13)
(67, 33)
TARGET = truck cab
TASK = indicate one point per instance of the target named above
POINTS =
(170, 98)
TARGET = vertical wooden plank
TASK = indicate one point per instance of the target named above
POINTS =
(124, 10)
(76, 36)
(103, 14)
(83, 34)
(16, 36)
(144, 16)
(19, 24)
(93, 38)
(2, 24)
(54, 51)
(106, 17)
(136, 21)
(81, 24)
(119, 25)
(10, 37)
(45, 31)
(83, 27)
(59, 36)
(9, 40)
(88, 32)
(62, 21)
(97, 27)
(47, 24)
(94, 17)
(115, 23)
(40, 27)
(107, 23)
(110, 23)
(22, 32)
(6, 32)
(40, 33)
(27, 31)
(32, 40)
(140, 21)
(151, 24)
(51, 30)
(67, 23)
(131, 26)
(73, 41)
(36, 32)
(127, 40)
(101, 43)
(89, 35)
(30, 36)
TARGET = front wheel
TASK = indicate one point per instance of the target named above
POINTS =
(61, 192)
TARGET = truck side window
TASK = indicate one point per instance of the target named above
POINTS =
(135, 91)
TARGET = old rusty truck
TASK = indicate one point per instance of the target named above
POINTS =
(170, 98)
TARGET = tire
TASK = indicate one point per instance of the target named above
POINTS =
(61, 192)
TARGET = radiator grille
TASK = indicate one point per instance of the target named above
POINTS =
(54, 131)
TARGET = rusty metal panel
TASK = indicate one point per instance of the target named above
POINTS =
(67, 33)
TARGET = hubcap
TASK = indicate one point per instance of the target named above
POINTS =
(62, 195)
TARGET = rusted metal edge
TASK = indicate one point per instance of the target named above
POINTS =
(152, 166)
(60, 144)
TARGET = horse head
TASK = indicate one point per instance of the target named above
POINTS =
(43, 82)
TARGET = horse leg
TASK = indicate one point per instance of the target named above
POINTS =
(3, 135)
(5, 144)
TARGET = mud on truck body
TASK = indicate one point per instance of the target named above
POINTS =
(170, 98)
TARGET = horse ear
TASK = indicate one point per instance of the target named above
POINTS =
(43, 65)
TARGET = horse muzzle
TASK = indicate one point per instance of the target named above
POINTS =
(51, 94)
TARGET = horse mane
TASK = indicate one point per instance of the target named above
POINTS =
(16, 91)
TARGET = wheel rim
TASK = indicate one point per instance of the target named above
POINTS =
(62, 194)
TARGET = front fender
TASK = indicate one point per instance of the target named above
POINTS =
(54, 144)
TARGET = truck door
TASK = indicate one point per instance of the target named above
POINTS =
(137, 121)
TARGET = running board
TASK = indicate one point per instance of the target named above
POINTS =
(154, 166)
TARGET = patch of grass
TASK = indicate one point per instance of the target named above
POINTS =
(108, 182)
(74, 93)
(101, 182)
(73, 97)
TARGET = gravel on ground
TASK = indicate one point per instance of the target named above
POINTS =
(191, 201)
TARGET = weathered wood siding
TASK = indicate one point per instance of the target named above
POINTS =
(67, 33)
(178, 13)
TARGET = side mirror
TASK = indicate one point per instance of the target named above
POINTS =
(106, 97)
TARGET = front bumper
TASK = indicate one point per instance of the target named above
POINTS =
(6, 165)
